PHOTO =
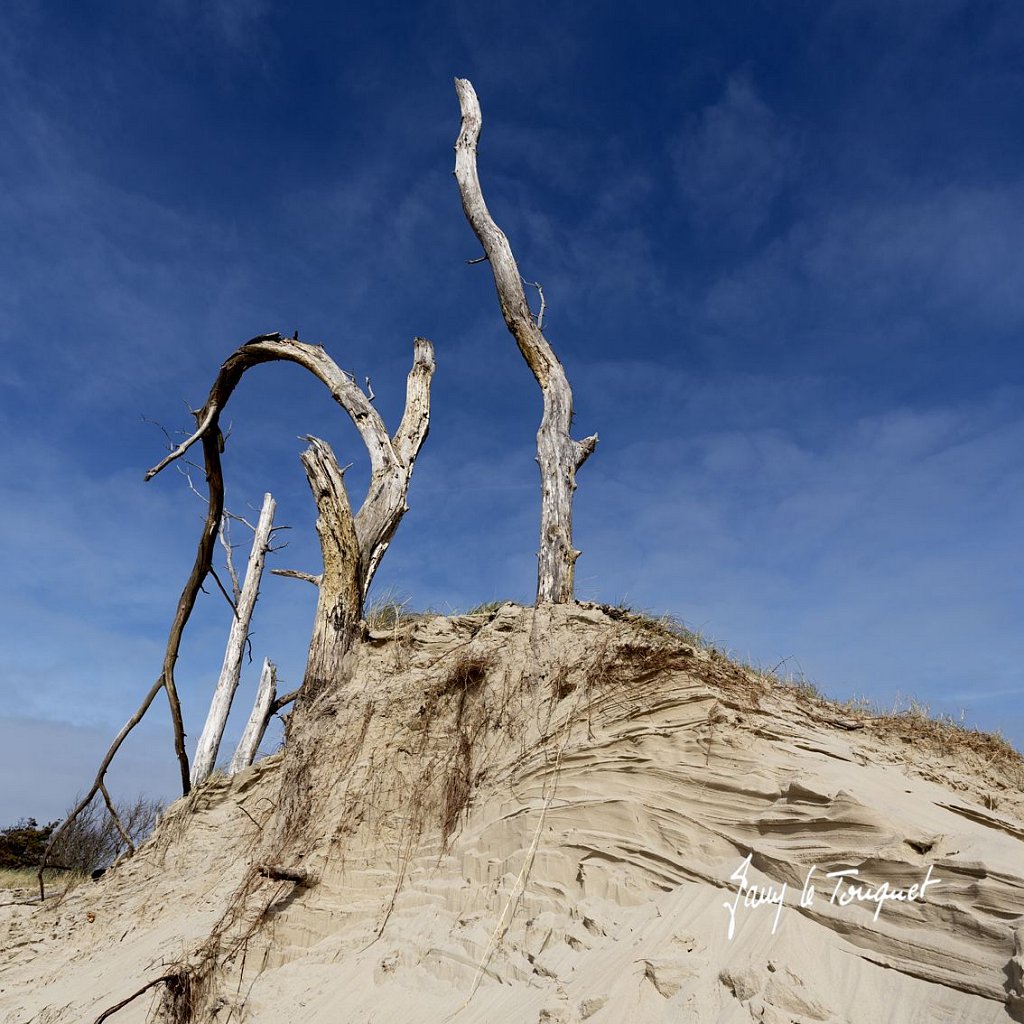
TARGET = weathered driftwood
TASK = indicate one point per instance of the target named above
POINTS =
(231, 670)
(281, 873)
(558, 455)
(339, 604)
(256, 726)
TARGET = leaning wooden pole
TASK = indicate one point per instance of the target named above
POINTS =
(252, 735)
(231, 670)
(558, 455)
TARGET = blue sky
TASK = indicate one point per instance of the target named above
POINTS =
(781, 250)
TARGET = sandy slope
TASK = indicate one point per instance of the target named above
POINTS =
(602, 784)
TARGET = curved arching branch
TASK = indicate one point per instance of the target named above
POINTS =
(558, 454)
(391, 459)
(266, 348)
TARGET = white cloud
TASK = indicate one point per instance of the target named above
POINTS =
(883, 274)
(734, 159)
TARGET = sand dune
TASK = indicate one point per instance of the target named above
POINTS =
(546, 816)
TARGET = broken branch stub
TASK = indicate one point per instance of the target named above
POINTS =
(256, 726)
(558, 455)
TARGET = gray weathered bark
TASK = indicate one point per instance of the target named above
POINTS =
(231, 670)
(256, 726)
(558, 455)
(341, 588)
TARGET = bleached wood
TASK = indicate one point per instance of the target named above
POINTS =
(558, 455)
(391, 461)
(294, 574)
(227, 683)
(252, 735)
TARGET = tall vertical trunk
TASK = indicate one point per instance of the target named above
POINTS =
(558, 455)
(340, 601)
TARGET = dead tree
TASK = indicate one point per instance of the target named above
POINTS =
(231, 670)
(558, 455)
(352, 546)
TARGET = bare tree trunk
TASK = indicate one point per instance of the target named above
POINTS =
(252, 736)
(558, 454)
(231, 670)
(340, 602)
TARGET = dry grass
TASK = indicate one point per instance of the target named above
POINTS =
(660, 625)
(465, 676)
(458, 785)
(914, 724)
(461, 684)
(389, 610)
(942, 734)
(28, 878)
(487, 607)
(185, 993)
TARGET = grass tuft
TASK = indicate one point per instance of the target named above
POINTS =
(465, 676)
(389, 610)
(27, 878)
(662, 625)
(486, 608)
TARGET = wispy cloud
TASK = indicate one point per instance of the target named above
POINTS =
(236, 24)
(733, 160)
(867, 283)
